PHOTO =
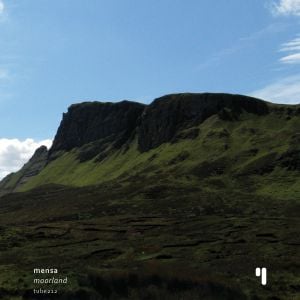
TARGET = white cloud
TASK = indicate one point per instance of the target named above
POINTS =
(14, 153)
(293, 45)
(1, 7)
(285, 91)
(293, 51)
(287, 7)
(291, 58)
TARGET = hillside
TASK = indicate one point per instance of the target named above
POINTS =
(189, 137)
(13, 181)
(178, 199)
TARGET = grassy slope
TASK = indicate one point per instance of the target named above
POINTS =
(224, 143)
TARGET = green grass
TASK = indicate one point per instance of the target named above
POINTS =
(240, 147)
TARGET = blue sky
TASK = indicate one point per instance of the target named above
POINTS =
(57, 52)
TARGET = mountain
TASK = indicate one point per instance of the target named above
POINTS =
(183, 197)
(201, 136)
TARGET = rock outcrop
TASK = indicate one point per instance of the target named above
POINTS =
(166, 116)
(154, 124)
(91, 121)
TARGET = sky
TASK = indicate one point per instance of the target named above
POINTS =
(57, 52)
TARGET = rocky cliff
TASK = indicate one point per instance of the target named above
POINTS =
(152, 124)
(162, 120)
(88, 122)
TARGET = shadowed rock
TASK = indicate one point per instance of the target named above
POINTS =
(91, 121)
(168, 115)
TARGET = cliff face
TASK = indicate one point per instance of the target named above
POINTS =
(91, 121)
(166, 116)
(35, 165)
(154, 124)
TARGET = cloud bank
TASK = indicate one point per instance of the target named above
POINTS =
(286, 91)
(287, 7)
(14, 153)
